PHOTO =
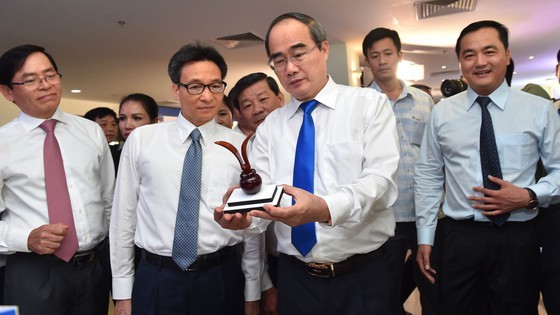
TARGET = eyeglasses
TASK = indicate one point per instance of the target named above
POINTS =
(279, 64)
(198, 88)
(50, 78)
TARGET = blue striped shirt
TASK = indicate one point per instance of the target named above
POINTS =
(412, 110)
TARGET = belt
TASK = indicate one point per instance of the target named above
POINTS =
(86, 256)
(489, 224)
(201, 262)
(330, 270)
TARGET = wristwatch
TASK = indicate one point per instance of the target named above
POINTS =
(533, 201)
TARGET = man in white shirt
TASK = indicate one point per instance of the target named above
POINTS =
(36, 278)
(148, 212)
(255, 96)
(341, 267)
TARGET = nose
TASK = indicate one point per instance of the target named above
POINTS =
(47, 83)
(291, 67)
(206, 95)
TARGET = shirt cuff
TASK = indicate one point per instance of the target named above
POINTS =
(266, 282)
(338, 204)
(426, 235)
(17, 240)
(122, 288)
(252, 290)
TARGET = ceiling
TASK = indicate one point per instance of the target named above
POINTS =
(108, 59)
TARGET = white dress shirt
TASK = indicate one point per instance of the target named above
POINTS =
(356, 159)
(526, 128)
(89, 170)
(147, 194)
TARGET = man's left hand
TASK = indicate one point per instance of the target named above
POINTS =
(495, 202)
(307, 208)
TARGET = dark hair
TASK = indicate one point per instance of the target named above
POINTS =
(509, 71)
(228, 103)
(316, 30)
(558, 56)
(148, 103)
(378, 34)
(473, 27)
(194, 52)
(100, 112)
(249, 80)
(13, 59)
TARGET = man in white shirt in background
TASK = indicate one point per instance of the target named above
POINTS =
(254, 96)
(40, 278)
(147, 207)
(338, 264)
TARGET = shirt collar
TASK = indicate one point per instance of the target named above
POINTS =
(185, 128)
(326, 97)
(30, 123)
(404, 93)
(498, 97)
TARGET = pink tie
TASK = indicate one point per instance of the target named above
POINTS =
(58, 199)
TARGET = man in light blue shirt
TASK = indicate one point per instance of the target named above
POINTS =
(486, 266)
(382, 52)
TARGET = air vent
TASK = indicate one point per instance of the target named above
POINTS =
(428, 9)
(239, 40)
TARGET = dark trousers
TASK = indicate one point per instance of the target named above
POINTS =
(487, 269)
(366, 290)
(168, 291)
(548, 231)
(2, 285)
(407, 275)
(44, 285)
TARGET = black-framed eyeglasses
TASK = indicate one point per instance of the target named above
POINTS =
(198, 88)
(50, 78)
(279, 64)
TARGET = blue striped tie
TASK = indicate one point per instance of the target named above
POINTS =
(489, 159)
(303, 236)
(185, 240)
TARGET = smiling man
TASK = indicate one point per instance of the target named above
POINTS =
(56, 190)
(254, 97)
(483, 145)
(171, 176)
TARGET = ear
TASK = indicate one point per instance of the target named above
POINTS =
(281, 97)
(175, 88)
(236, 114)
(325, 49)
(558, 71)
(7, 92)
(508, 56)
(400, 54)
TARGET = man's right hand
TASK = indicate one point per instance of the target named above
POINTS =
(231, 221)
(423, 260)
(123, 307)
(47, 238)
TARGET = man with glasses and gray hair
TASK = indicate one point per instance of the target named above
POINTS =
(56, 190)
(335, 147)
(171, 176)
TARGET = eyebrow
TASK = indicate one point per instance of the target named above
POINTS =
(29, 74)
(293, 47)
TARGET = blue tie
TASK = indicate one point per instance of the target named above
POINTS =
(185, 240)
(303, 236)
(489, 159)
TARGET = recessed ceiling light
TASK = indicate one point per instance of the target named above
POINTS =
(514, 72)
(76, 91)
(444, 67)
(531, 57)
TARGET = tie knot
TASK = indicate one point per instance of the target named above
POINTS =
(195, 134)
(309, 106)
(483, 100)
(48, 125)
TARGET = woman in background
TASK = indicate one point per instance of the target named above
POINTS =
(136, 110)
